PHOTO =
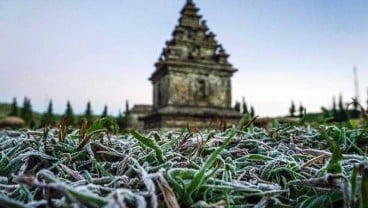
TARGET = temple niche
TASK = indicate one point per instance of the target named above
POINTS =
(192, 78)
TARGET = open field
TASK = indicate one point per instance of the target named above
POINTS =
(284, 166)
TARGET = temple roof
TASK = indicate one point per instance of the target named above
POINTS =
(193, 42)
(141, 109)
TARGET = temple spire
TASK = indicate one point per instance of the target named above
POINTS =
(192, 79)
(193, 42)
(189, 15)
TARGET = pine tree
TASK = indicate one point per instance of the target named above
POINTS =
(126, 107)
(334, 109)
(326, 113)
(104, 112)
(88, 114)
(341, 114)
(237, 106)
(335, 113)
(50, 108)
(26, 113)
(121, 121)
(301, 110)
(341, 103)
(252, 111)
(356, 111)
(48, 117)
(292, 109)
(245, 107)
(69, 114)
(14, 108)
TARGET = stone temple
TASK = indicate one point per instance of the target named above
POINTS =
(191, 81)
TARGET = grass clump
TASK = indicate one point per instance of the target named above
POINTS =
(291, 166)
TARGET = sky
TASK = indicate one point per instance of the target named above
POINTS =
(104, 51)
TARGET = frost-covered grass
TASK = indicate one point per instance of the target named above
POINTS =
(290, 166)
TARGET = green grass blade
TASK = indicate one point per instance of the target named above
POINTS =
(200, 175)
(334, 165)
(364, 190)
(8, 202)
(151, 144)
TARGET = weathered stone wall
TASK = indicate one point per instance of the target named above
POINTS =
(161, 92)
(133, 121)
(199, 90)
(178, 122)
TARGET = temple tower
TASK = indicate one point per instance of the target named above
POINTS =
(192, 80)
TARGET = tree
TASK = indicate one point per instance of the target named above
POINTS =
(292, 109)
(48, 117)
(126, 107)
(14, 108)
(88, 114)
(341, 115)
(26, 113)
(237, 106)
(355, 112)
(335, 113)
(69, 114)
(326, 113)
(301, 110)
(252, 111)
(104, 112)
(334, 109)
(121, 121)
(341, 103)
(245, 107)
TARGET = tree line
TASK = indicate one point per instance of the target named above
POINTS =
(292, 110)
(338, 112)
(243, 108)
(49, 118)
(341, 111)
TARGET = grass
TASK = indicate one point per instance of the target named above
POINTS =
(286, 166)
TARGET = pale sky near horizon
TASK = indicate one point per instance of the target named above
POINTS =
(104, 51)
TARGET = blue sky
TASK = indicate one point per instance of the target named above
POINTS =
(104, 51)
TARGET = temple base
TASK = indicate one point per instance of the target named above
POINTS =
(179, 117)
